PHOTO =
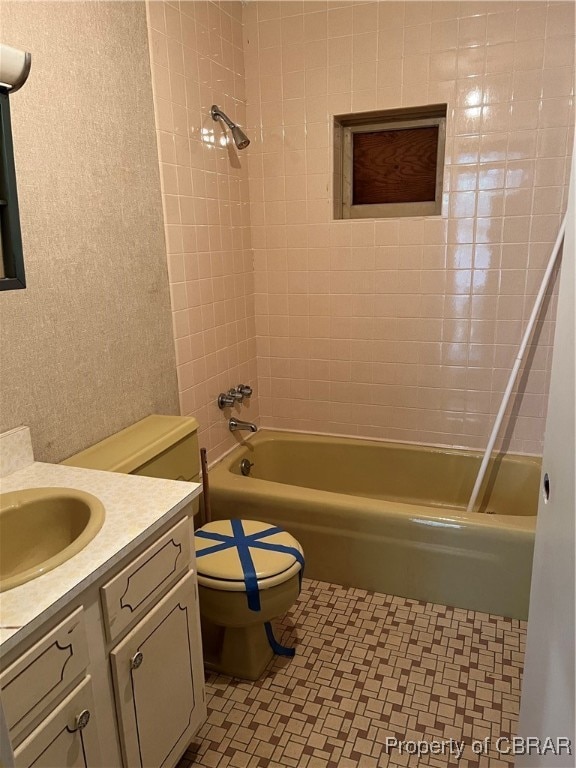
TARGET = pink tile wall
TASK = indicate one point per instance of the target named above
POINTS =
(407, 328)
(197, 60)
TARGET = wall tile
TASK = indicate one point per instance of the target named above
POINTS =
(409, 307)
(198, 59)
(414, 307)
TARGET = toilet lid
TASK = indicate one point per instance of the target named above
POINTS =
(223, 546)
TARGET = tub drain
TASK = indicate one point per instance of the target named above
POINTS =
(245, 467)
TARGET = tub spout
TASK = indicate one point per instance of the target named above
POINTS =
(235, 424)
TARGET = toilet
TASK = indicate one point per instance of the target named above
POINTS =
(249, 572)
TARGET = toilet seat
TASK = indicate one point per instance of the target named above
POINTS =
(274, 556)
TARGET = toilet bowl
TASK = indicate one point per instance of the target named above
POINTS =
(249, 573)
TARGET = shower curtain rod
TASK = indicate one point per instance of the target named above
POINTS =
(516, 367)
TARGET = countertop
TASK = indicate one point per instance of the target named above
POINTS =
(135, 507)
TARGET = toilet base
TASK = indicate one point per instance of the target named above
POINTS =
(236, 651)
(233, 636)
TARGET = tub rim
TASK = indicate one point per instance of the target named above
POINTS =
(231, 482)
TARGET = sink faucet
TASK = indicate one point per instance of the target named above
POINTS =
(235, 424)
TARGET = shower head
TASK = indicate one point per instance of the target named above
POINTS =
(240, 138)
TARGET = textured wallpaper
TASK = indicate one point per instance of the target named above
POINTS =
(87, 348)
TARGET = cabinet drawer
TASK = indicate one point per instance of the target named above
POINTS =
(42, 674)
(129, 594)
(67, 738)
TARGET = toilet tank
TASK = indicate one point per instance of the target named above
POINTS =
(157, 446)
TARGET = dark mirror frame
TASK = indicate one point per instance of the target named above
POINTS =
(13, 257)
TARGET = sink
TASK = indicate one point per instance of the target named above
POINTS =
(41, 528)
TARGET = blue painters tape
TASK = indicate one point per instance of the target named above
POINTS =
(250, 580)
(243, 541)
(212, 550)
(281, 548)
(279, 650)
(288, 550)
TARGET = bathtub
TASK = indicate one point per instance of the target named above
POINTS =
(391, 517)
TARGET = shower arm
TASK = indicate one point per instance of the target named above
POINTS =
(217, 114)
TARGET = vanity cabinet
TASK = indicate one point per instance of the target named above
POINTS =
(116, 679)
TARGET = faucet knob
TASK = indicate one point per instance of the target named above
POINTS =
(245, 389)
(236, 395)
(225, 401)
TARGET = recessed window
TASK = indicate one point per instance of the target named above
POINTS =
(389, 163)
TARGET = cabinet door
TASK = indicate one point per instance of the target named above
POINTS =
(67, 738)
(159, 681)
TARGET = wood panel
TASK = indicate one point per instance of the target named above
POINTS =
(394, 166)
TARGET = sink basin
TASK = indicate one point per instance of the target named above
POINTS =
(41, 528)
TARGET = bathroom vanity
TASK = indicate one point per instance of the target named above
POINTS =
(101, 657)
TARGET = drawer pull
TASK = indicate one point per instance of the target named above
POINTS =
(82, 720)
(136, 660)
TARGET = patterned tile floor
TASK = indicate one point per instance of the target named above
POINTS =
(370, 667)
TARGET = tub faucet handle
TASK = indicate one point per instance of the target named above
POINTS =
(225, 401)
(236, 395)
(245, 389)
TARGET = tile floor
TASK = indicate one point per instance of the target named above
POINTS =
(369, 667)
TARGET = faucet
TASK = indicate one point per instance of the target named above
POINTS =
(235, 424)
